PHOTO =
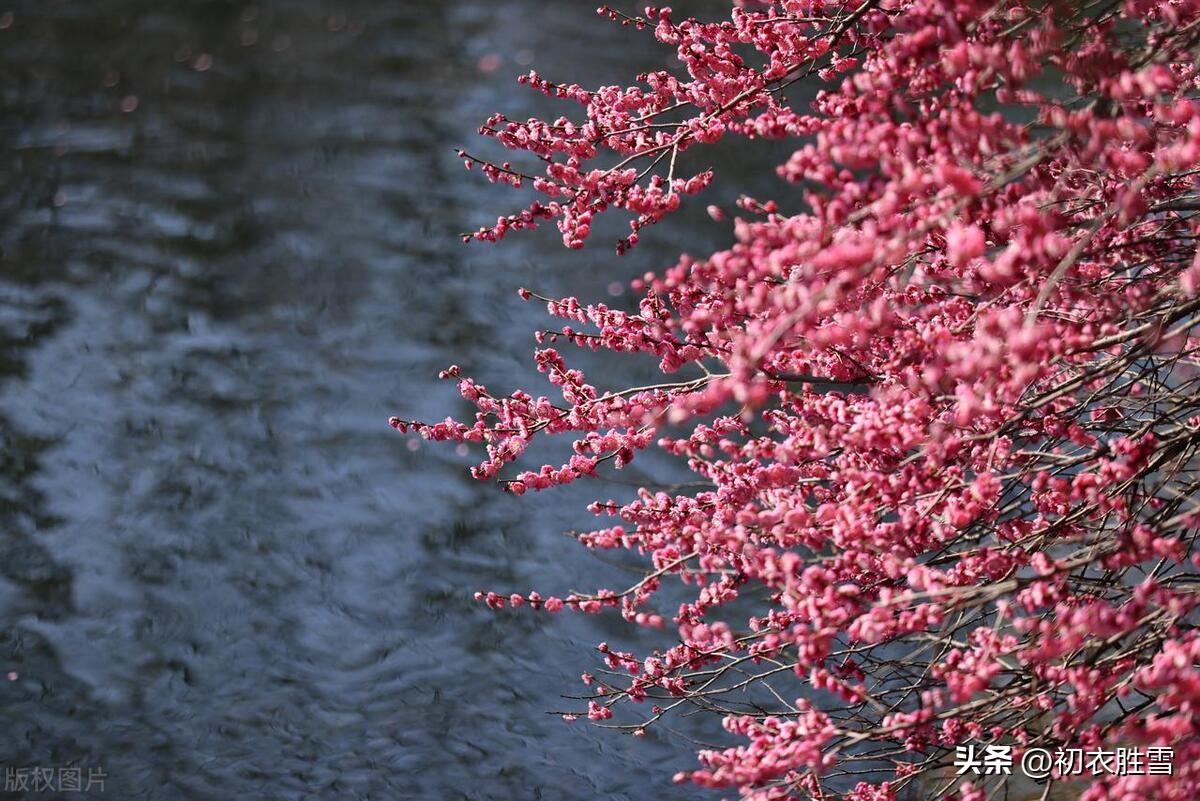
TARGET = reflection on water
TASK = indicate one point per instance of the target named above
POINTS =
(228, 254)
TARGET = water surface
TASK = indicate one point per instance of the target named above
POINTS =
(229, 253)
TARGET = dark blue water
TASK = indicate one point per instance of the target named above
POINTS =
(229, 253)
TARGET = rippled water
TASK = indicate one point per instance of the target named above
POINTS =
(229, 254)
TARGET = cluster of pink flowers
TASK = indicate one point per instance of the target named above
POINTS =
(941, 401)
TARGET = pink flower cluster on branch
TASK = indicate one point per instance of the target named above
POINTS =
(943, 413)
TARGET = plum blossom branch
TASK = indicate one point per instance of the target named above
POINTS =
(945, 428)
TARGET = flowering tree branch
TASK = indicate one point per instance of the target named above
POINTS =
(945, 414)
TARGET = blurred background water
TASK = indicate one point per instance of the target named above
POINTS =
(229, 253)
